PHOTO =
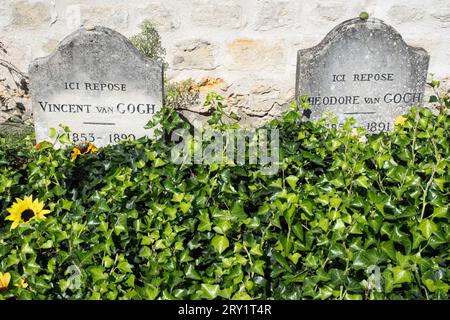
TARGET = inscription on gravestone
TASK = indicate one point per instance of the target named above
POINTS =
(362, 69)
(99, 85)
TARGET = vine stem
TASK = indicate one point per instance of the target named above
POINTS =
(249, 255)
(13, 68)
(424, 197)
(413, 145)
(427, 187)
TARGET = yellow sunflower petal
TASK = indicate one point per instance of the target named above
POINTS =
(76, 153)
(28, 202)
(14, 213)
(14, 225)
(93, 148)
(39, 205)
(19, 207)
(41, 214)
(11, 217)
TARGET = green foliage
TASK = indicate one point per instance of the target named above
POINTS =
(15, 131)
(148, 41)
(440, 98)
(126, 223)
(216, 108)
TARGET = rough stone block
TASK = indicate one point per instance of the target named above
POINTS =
(404, 14)
(251, 54)
(194, 54)
(163, 18)
(30, 14)
(217, 15)
(273, 15)
(116, 17)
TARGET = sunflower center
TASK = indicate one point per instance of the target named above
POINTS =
(27, 215)
(84, 148)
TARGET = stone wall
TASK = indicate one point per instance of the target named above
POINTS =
(245, 50)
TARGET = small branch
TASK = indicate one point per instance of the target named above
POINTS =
(203, 113)
(13, 68)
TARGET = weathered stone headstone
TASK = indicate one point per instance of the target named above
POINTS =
(99, 85)
(362, 69)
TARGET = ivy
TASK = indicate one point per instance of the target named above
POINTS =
(345, 217)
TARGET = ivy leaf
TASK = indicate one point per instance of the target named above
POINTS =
(184, 207)
(52, 133)
(258, 267)
(220, 243)
(159, 163)
(149, 291)
(191, 273)
(124, 266)
(361, 261)
(440, 183)
(336, 251)
(294, 257)
(97, 274)
(292, 181)
(440, 212)
(282, 261)
(241, 296)
(205, 223)
(324, 224)
(363, 181)
(401, 275)
(388, 248)
(209, 291)
(427, 227)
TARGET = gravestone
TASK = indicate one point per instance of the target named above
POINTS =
(362, 69)
(99, 85)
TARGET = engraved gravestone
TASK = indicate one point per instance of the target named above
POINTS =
(362, 69)
(99, 85)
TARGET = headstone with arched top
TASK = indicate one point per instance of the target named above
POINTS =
(362, 69)
(99, 85)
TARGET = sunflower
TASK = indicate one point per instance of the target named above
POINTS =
(400, 120)
(24, 210)
(4, 281)
(82, 149)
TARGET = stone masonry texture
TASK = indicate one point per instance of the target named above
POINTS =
(251, 45)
